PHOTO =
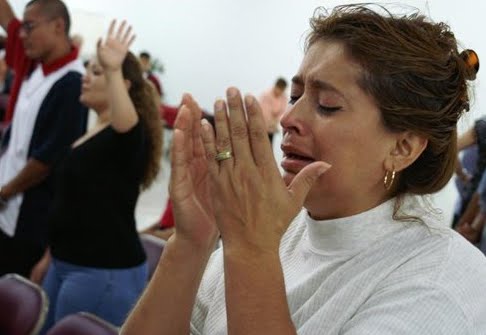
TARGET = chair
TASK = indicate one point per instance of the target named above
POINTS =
(153, 249)
(23, 306)
(82, 323)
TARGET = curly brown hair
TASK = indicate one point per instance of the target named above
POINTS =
(416, 75)
(142, 96)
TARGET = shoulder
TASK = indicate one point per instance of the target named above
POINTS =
(69, 80)
(462, 274)
(445, 265)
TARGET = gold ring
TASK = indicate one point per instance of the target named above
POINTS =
(223, 155)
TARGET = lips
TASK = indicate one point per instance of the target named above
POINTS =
(294, 159)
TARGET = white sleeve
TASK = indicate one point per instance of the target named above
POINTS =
(212, 275)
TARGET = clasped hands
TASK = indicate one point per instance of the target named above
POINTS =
(225, 179)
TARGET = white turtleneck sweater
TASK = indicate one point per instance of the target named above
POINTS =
(368, 274)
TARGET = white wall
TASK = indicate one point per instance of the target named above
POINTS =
(206, 46)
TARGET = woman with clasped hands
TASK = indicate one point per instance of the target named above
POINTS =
(371, 124)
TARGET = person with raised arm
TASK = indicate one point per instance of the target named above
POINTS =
(96, 261)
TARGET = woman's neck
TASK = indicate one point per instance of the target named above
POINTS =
(104, 117)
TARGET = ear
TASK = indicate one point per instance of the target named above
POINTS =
(59, 25)
(408, 147)
(128, 84)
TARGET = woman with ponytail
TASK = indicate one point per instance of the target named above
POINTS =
(97, 262)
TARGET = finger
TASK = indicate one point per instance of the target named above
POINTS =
(223, 140)
(193, 122)
(121, 29)
(111, 30)
(99, 46)
(238, 127)
(178, 151)
(305, 179)
(208, 140)
(126, 36)
(178, 159)
(129, 44)
(197, 144)
(260, 144)
(188, 100)
(188, 146)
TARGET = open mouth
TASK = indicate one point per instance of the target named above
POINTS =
(294, 160)
(293, 156)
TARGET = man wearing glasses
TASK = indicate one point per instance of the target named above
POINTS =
(46, 117)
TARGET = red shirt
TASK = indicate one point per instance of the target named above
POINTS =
(169, 114)
(167, 219)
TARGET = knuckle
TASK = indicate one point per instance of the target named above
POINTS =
(223, 143)
(258, 133)
(239, 131)
(210, 155)
(220, 116)
(254, 110)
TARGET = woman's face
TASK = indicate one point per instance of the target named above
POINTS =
(93, 90)
(330, 118)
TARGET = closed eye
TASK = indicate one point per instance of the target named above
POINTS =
(328, 109)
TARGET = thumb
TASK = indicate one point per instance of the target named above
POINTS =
(305, 179)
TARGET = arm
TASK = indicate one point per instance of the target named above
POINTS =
(166, 305)
(53, 133)
(111, 54)
(462, 173)
(465, 225)
(39, 270)
(32, 174)
(256, 300)
(6, 14)
(467, 139)
(479, 220)
(253, 208)
(154, 230)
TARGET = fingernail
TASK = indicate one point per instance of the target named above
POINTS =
(323, 168)
(219, 106)
(249, 100)
(232, 92)
(204, 124)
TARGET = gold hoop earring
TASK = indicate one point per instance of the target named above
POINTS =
(389, 182)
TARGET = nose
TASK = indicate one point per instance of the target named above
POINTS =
(22, 34)
(85, 78)
(292, 120)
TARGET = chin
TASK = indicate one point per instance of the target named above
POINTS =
(30, 54)
(85, 101)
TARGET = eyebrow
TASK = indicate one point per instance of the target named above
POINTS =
(318, 84)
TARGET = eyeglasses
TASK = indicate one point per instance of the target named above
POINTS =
(28, 26)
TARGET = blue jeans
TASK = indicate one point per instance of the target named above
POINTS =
(107, 293)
